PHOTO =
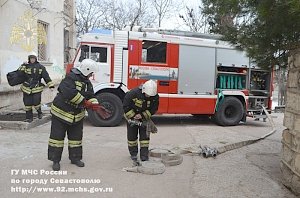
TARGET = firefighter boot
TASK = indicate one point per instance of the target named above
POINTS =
(56, 166)
(133, 157)
(144, 154)
(77, 163)
(29, 116)
(40, 114)
(144, 158)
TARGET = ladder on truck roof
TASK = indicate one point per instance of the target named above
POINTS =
(177, 33)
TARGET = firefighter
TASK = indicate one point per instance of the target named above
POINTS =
(32, 87)
(75, 94)
(139, 105)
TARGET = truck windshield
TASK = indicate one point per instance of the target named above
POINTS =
(98, 54)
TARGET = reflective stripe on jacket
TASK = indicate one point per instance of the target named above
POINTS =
(72, 91)
(135, 102)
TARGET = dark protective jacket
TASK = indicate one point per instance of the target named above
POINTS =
(34, 72)
(135, 102)
(68, 105)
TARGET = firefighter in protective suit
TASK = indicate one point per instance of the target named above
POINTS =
(75, 95)
(139, 105)
(32, 87)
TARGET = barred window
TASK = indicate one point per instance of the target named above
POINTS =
(42, 40)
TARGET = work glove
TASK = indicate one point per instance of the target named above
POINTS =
(101, 111)
(137, 117)
(87, 104)
(150, 127)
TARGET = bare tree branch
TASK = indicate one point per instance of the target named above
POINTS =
(195, 20)
(89, 15)
(121, 14)
(163, 8)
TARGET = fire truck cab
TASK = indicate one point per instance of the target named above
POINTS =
(196, 74)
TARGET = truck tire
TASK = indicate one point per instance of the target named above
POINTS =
(114, 104)
(230, 112)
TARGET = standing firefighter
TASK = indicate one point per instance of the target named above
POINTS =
(75, 94)
(32, 87)
(139, 105)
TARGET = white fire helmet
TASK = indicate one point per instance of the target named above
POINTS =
(32, 54)
(88, 66)
(149, 88)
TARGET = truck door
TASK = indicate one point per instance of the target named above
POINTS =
(102, 55)
(154, 64)
(148, 60)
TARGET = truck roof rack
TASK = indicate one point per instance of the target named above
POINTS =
(177, 33)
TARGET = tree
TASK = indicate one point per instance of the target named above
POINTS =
(268, 30)
(280, 76)
(121, 14)
(89, 15)
(163, 8)
(194, 19)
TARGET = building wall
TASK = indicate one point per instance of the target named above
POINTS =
(13, 54)
(290, 161)
(69, 13)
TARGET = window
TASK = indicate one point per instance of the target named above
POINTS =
(98, 54)
(154, 52)
(42, 40)
(84, 52)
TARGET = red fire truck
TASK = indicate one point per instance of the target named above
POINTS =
(196, 74)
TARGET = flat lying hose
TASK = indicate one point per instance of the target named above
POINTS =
(147, 167)
(206, 151)
(158, 168)
(237, 145)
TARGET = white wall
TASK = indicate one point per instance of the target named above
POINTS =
(12, 55)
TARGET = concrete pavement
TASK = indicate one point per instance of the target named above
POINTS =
(251, 171)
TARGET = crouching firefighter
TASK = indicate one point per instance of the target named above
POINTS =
(32, 87)
(139, 105)
(75, 94)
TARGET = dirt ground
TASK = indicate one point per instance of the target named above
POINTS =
(251, 171)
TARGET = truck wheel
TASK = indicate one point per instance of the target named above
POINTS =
(113, 104)
(230, 112)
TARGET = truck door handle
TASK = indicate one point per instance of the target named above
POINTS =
(164, 83)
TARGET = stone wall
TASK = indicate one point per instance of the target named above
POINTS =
(290, 160)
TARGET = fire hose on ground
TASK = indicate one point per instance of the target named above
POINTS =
(171, 157)
(213, 152)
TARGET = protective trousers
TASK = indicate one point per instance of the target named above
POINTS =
(132, 137)
(57, 136)
(32, 100)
